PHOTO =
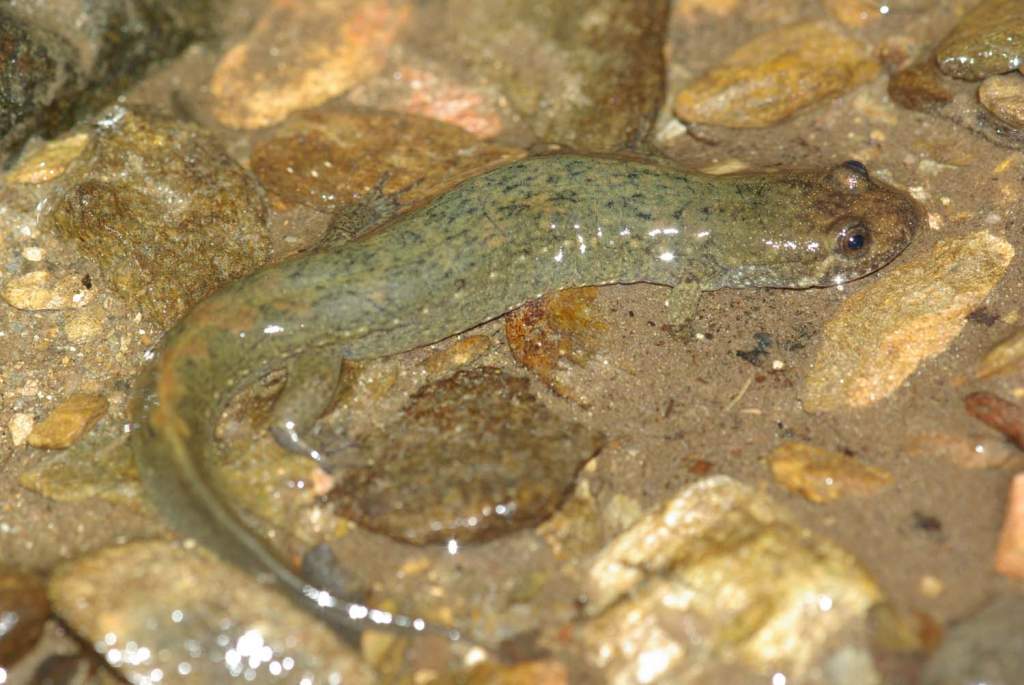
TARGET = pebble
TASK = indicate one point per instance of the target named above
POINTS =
(966, 452)
(87, 471)
(477, 455)
(985, 648)
(910, 313)
(553, 333)
(163, 209)
(20, 426)
(335, 155)
(85, 325)
(1003, 415)
(719, 575)
(23, 611)
(1010, 552)
(776, 75)
(463, 351)
(68, 422)
(42, 290)
(160, 613)
(48, 161)
(821, 475)
(302, 53)
(988, 40)
(1003, 96)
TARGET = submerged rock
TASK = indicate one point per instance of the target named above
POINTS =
(332, 156)
(161, 613)
(1003, 96)
(23, 611)
(68, 421)
(475, 456)
(60, 59)
(987, 647)
(776, 75)
(719, 577)
(821, 475)
(988, 40)
(163, 209)
(910, 313)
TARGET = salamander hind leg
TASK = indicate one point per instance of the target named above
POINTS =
(682, 308)
(312, 385)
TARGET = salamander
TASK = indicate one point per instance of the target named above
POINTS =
(470, 255)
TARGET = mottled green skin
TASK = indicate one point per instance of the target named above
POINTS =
(472, 254)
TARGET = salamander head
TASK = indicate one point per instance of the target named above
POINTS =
(827, 228)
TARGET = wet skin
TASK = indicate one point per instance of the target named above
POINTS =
(468, 256)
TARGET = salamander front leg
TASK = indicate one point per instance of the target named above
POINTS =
(682, 307)
(312, 385)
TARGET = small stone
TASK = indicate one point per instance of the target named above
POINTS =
(776, 75)
(1010, 552)
(20, 426)
(41, 290)
(33, 253)
(717, 576)
(967, 452)
(68, 422)
(460, 353)
(987, 647)
(856, 14)
(23, 611)
(155, 607)
(911, 313)
(821, 475)
(1004, 97)
(988, 40)
(919, 87)
(85, 325)
(476, 455)
(548, 334)
(1005, 416)
(85, 471)
(334, 155)
(163, 209)
(49, 161)
(327, 47)
(1006, 357)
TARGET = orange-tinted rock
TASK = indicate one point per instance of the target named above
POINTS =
(302, 53)
(821, 475)
(69, 421)
(1003, 96)
(1010, 553)
(988, 40)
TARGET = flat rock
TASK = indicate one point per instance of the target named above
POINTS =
(68, 421)
(475, 456)
(988, 40)
(331, 156)
(161, 613)
(776, 75)
(718, 577)
(822, 475)
(1003, 96)
(910, 313)
(163, 209)
(300, 54)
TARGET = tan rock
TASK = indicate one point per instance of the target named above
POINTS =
(821, 475)
(776, 75)
(1010, 552)
(1006, 357)
(302, 53)
(41, 290)
(20, 426)
(157, 608)
(68, 422)
(720, 575)
(911, 313)
(459, 353)
(49, 161)
(1003, 96)
(85, 325)
(855, 13)
(986, 41)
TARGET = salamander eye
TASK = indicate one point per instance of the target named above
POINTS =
(854, 165)
(853, 236)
